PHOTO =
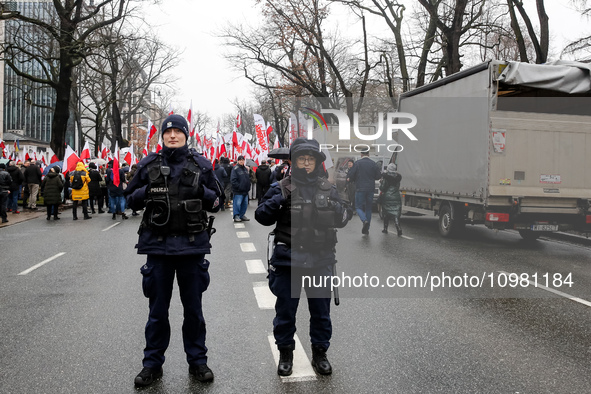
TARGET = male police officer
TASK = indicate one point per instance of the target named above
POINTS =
(176, 186)
(307, 211)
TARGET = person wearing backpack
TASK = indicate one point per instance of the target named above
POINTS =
(79, 180)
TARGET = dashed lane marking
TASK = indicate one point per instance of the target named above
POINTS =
(560, 293)
(239, 225)
(242, 234)
(302, 369)
(263, 295)
(25, 272)
(255, 267)
(405, 237)
(248, 247)
(110, 227)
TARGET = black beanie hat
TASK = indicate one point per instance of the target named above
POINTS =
(176, 122)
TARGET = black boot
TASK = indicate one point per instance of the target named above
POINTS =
(319, 361)
(148, 376)
(124, 216)
(285, 362)
(114, 216)
(398, 228)
(385, 230)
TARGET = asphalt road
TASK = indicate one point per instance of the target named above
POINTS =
(75, 324)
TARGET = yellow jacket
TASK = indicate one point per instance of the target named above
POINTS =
(81, 194)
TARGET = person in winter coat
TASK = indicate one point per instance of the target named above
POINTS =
(129, 176)
(364, 173)
(80, 195)
(221, 175)
(15, 187)
(391, 198)
(177, 188)
(52, 186)
(263, 176)
(33, 180)
(306, 210)
(116, 198)
(94, 187)
(5, 181)
(240, 179)
(225, 163)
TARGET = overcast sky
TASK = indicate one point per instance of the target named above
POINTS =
(206, 77)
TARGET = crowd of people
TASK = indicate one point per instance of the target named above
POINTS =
(90, 186)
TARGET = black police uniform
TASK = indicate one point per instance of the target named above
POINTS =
(177, 187)
(307, 210)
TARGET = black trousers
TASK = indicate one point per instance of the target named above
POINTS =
(84, 204)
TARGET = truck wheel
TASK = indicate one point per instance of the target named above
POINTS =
(529, 235)
(446, 221)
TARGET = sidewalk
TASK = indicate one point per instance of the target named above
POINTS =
(27, 214)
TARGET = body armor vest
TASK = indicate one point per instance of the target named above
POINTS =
(307, 224)
(172, 207)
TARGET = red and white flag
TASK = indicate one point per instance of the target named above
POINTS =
(130, 156)
(104, 152)
(116, 179)
(261, 134)
(52, 156)
(238, 121)
(158, 147)
(151, 130)
(70, 160)
(170, 111)
(85, 155)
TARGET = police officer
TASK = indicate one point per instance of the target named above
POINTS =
(307, 210)
(176, 187)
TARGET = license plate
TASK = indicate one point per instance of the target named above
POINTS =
(544, 227)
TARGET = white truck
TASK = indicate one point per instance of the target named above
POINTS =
(504, 144)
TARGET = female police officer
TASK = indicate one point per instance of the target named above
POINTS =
(176, 186)
(307, 210)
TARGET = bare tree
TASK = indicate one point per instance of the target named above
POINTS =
(76, 23)
(540, 44)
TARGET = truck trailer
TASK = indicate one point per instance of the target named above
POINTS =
(504, 144)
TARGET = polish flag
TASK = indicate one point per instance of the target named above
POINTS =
(170, 111)
(159, 146)
(85, 155)
(152, 130)
(43, 161)
(130, 156)
(116, 179)
(52, 155)
(70, 160)
(104, 152)
(269, 129)
(238, 121)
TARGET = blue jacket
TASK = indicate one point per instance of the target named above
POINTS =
(240, 179)
(150, 243)
(364, 173)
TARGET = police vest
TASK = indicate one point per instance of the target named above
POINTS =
(172, 207)
(308, 225)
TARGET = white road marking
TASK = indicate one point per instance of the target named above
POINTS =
(242, 234)
(262, 293)
(255, 267)
(405, 237)
(248, 247)
(557, 292)
(25, 272)
(302, 368)
(110, 227)
(239, 225)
